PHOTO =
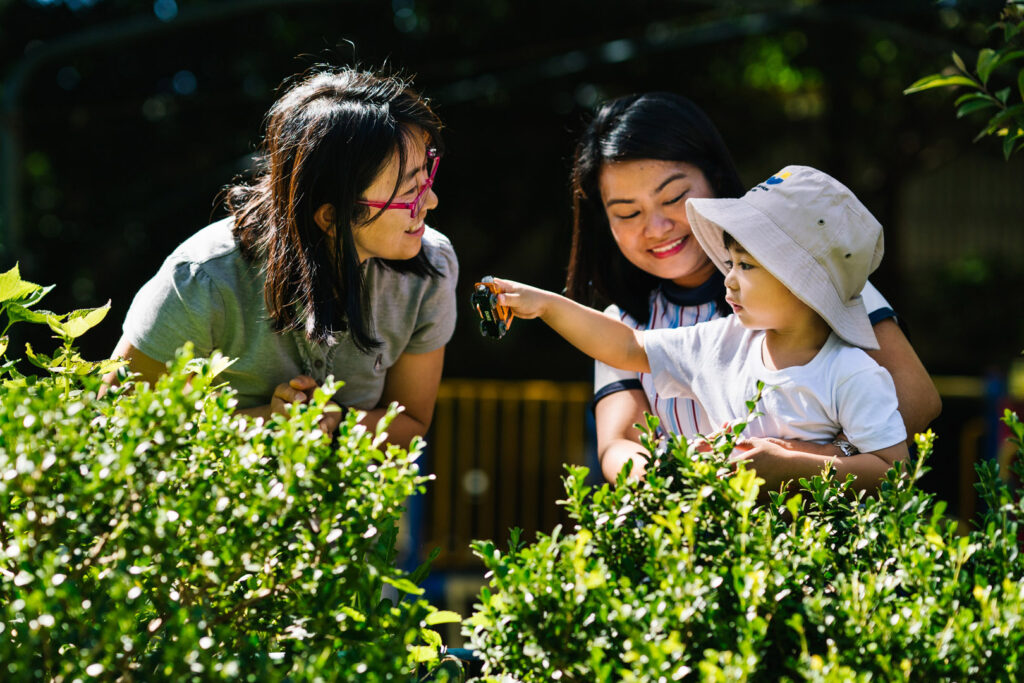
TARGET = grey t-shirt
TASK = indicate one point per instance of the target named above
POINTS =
(206, 293)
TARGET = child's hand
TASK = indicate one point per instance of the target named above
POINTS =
(524, 300)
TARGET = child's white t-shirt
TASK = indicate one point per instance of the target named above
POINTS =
(718, 364)
(671, 307)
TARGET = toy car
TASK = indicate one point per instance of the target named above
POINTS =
(494, 318)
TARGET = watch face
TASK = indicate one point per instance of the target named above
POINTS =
(846, 447)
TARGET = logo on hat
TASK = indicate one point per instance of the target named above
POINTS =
(776, 179)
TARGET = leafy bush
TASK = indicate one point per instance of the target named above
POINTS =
(683, 576)
(153, 534)
(1007, 119)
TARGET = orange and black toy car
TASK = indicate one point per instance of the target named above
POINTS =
(494, 318)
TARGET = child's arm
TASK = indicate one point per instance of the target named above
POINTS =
(778, 463)
(590, 331)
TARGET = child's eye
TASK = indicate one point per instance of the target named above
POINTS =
(728, 264)
(628, 216)
(676, 199)
(746, 266)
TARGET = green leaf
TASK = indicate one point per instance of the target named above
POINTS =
(974, 105)
(422, 653)
(1008, 144)
(39, 360)
(939, 81)
(79, 322)
(3, 345)
(986, 62)
(442, 617)
(1006, 58)
(1003, 94)
(18, 313)
(13, 288)
(403, 585)
(972, 96)
(959, 62)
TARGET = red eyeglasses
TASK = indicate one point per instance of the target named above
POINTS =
(416, 204)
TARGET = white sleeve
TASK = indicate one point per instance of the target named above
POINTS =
(672, 354)
(878, 308)
(868, 410)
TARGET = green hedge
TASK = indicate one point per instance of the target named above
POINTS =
(684, 576)
(153, 534)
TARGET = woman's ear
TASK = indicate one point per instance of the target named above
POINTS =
(324, 218)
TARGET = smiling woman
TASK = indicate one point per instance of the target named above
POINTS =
(325, 265)
(639, 161)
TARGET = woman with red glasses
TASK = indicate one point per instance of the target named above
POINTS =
(638, 161)
(324, 266)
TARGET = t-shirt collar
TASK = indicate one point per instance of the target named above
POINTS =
(704, 293)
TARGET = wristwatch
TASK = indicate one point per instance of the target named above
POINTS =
(846, 447)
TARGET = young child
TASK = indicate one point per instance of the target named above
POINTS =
(796, 250)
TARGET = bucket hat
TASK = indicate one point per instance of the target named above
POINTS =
(810, 232)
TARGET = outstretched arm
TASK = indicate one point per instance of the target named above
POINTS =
(590, 331)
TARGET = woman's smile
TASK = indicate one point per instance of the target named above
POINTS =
(670, 248)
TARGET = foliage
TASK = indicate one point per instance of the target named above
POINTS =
(683, 576)
(1008, 119)
(153, 534)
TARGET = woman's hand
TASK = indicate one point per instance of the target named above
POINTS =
(300, 389)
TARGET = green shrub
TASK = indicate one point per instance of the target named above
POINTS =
(153, 534)
(683, 576)
(1002, 100)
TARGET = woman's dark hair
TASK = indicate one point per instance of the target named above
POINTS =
(327, 139)
(657, 125)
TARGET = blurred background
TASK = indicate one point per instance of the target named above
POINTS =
(121, 121)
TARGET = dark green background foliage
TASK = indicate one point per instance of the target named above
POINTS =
(129, 117)
(684, 577)
(153, 534)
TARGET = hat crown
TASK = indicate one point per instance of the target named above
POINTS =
(827, 220)
(810, 232)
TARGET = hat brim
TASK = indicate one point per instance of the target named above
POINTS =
(784, 258)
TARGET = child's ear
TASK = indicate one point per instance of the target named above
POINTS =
(324, 218)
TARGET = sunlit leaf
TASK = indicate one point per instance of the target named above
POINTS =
(13, 288)
(219, 363)
(18, 313)
(442, 617)
(939, 81)
(959, 62)
(79, 322)
(423, 653)
(403, 585)
(39, 360)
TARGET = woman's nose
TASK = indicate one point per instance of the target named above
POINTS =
(659, 224)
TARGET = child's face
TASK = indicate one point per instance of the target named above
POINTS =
(759, 300)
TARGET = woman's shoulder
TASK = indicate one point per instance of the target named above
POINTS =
(440, 252)
(214, 243)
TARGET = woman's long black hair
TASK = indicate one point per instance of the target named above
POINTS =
(656, 125)
(327, 139)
